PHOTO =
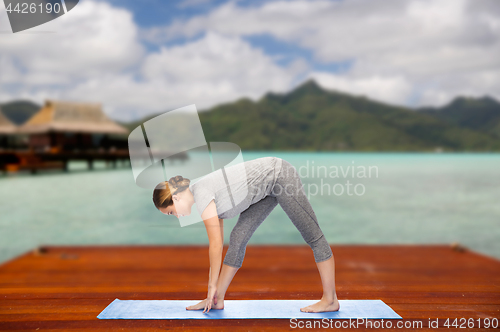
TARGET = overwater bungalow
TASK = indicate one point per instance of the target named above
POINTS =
(71, 126)
(63, 131)
(7, 132)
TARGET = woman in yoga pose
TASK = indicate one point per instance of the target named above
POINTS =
(269, 181)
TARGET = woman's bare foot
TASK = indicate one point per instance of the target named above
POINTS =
(322, 306)
(201, 305)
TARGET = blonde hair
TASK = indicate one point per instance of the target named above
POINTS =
(162, 194)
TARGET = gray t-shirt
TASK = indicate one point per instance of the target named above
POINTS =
(247, 189)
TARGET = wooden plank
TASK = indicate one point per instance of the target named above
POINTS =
(65, 288)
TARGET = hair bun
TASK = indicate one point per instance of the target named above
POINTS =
(175, 180)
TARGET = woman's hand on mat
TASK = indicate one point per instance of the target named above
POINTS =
(212, 295)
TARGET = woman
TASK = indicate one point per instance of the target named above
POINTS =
(269, 181)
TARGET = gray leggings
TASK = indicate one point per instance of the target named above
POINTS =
(289, 193)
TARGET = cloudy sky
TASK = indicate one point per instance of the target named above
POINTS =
(151, 56)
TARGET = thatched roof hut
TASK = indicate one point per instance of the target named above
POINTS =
(6, 126)
(63, 116)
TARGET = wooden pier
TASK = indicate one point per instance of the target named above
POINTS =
(65, 288)
(13, 160)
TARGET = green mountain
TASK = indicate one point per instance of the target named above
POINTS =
(310, 118)
(481, 114)
(19, 111)
(313, 119)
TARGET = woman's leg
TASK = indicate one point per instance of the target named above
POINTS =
(290, 194)
(248, 221)
(225, 277)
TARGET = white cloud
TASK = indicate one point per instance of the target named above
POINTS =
(426, 43)
(83, 43)
(206, 72)
(94, 54)
(423, 50)
(217, 58)
(390, 89)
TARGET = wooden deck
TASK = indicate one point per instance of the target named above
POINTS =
(33, 161)
(65, 288)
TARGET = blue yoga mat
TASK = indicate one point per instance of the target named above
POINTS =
(244, 309)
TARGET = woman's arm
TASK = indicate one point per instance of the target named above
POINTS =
(215, 239)
(221, 222)
(209, 275)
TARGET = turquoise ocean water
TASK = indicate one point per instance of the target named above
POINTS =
(362, 198)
